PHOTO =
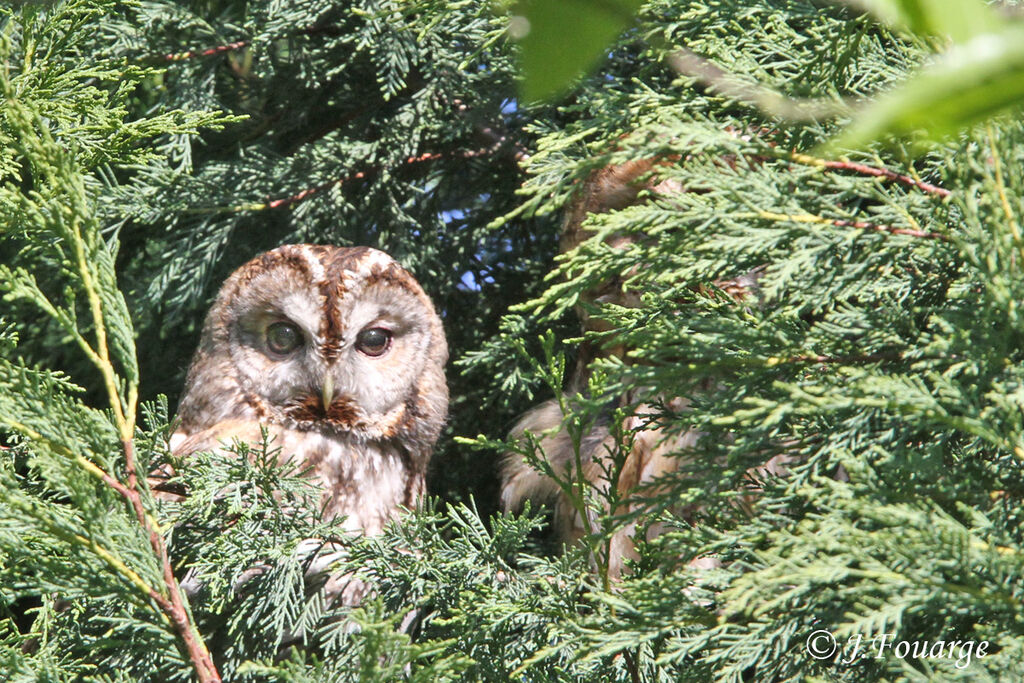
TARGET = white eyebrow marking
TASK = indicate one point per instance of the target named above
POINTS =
(372, 258)
(316, 268)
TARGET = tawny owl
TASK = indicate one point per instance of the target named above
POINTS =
(652, 453)
(340, 355)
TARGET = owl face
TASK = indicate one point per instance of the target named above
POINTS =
(323, 338)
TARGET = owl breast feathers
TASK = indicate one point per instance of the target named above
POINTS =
(340, 355)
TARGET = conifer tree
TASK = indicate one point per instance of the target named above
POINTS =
(147, 149)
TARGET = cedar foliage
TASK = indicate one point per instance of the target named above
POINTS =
(883, 355)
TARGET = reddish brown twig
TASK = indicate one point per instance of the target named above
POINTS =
(305, 194)
(864, 169)
(172, 604)
(169, 600)
(834, 165)
(359, 175)
(237, 45)
(192, 54)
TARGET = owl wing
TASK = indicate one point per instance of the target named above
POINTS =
(216, 437)
(219, 437)
(652, 454)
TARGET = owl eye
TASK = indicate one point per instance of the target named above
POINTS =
(283, 338)
(373, 341)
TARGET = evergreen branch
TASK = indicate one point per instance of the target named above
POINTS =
(124, 417)
(851, 359)
(173, 605)
(86, 464)
(855, 167)
(840, 223)
(738, 362)
(101, 356)
(832, 165)
(174, 608)
(64, 319)
(170, 602)
(124, 570)
(116, 563)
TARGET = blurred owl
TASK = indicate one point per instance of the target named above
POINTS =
(652, 452)
(340, 355)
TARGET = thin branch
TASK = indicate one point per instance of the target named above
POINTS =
(172, 606)
(774, 103)
(845, 165)
(192, 54)
(101, 356)
(175, 609)
(121, 568)
(864, 169)
(112, 560)
(239, 44)
(850, 359)
(833, 165)
(86, 464)
(169, 600)
(359, 175)
(839, 223)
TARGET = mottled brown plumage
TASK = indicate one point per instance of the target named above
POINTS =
(653, 452)
(364, 422)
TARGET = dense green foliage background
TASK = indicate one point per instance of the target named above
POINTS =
(147, 149)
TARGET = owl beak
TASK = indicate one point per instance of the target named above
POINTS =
(328, 392)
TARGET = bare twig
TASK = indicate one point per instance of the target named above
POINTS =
(359, 175)
(239, 44)
(864, 169)
(192, 54)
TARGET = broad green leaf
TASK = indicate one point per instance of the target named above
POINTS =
(971, 82)
(959, 19)
(559, 39)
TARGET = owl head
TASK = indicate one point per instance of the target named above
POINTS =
(321, 338)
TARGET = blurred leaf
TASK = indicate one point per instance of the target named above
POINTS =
(959, 19)
(561, 39)
(968, 84)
